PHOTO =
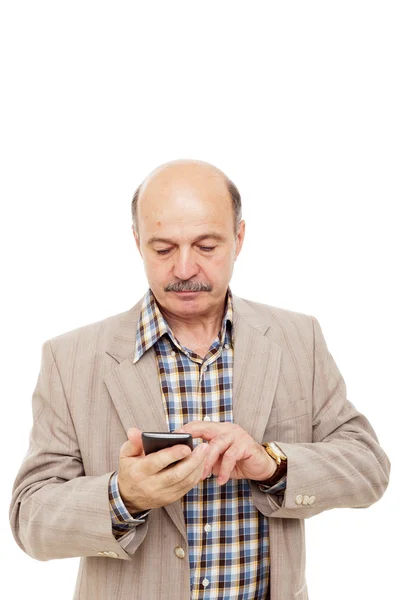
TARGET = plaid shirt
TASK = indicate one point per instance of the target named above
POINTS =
(228, 538)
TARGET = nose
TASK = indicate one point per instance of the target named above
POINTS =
(185, 265)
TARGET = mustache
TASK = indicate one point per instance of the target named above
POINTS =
(188, 286)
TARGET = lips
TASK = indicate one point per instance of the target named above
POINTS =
(186, 293)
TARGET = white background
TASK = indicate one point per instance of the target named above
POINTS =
(298, 102)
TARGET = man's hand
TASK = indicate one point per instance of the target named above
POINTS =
(233, 452)
(152, 481)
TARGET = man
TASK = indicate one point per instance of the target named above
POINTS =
(256, 382)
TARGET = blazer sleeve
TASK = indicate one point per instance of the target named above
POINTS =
(56, 511)
(344, 466)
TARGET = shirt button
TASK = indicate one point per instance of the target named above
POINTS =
(173, 352)
(227, 346)
(205, 368)
(209, 475)
(205, 582)
(299, 499)
(207, 527)
(179, 552)
(206, 418)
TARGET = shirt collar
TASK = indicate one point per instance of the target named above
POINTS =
(152, 326)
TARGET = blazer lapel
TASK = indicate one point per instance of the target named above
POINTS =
(135, 390)
(256, 365)
(136, 393)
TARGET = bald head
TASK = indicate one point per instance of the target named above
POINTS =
(187, 176)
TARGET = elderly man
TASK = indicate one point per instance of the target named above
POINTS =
(226, 519)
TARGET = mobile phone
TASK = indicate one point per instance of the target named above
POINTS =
(154, 441)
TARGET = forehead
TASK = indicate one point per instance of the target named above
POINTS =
(194, 202)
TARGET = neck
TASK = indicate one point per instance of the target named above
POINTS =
(201, 328)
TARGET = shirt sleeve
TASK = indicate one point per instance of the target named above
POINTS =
(278, 488)
(121, 519)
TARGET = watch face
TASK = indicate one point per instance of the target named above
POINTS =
(277, 450)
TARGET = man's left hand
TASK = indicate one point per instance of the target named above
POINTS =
(233, 453)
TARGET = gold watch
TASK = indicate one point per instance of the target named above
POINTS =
(281, 461)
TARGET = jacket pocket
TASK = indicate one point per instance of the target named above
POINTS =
(279, 414)
(290, 423)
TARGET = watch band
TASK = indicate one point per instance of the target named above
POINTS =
(281, 461)
(281, 470)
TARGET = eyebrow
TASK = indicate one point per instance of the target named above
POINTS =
(213, 236)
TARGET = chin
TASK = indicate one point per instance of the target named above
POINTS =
(188, 304)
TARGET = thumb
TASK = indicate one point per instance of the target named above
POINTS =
(133, 446)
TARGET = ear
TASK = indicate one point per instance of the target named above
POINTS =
(240, 237)
(137, 240)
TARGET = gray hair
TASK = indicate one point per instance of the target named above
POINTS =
(233, 192)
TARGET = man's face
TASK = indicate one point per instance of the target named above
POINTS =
(187, 241)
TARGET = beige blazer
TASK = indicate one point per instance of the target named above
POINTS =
(286, 388)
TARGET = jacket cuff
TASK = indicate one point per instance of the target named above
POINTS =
(122, 520)
(278, 487)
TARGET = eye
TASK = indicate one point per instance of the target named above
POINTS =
(203, 248)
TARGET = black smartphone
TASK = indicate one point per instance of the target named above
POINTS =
(154, 441)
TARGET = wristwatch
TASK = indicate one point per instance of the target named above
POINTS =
(281, 460)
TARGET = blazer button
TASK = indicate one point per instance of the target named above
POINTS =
(311, 500)
(108, 553)
(305, 500)
(179, 552)
(299, 499)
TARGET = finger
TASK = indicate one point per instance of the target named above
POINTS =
(133, 446)
(216, 467)
(157, 461)
(187, 470)
(205, 430)
(228, 463)
(218, 445)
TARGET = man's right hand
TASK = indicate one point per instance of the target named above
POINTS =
(152, 481)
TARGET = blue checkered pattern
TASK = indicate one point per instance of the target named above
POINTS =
(228, 537)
